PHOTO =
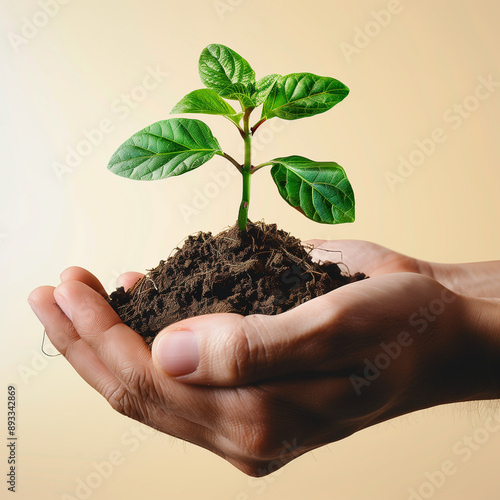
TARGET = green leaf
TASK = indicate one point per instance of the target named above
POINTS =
(206, 101)
(241, 93)
(227, 73)
(320, 190)
(300, 95)
(164, 149)
(263, 88)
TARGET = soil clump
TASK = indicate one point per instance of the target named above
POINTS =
(263, 270)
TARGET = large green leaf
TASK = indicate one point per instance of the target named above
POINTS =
(299, 95)
(206, 101)
(264, 87)
(164, 149)
(223, 70)
(320, 190)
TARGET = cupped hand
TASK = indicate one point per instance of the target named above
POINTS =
(475, 279)
(262, 390)
(366, 257)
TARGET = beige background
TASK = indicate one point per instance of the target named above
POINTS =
(70, 74)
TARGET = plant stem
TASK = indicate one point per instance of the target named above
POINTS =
(247, 171)
(245, 200)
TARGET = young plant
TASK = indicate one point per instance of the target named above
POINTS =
(320, 190)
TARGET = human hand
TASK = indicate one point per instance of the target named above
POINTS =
(475, 279)
(266, 389)
(366, 257)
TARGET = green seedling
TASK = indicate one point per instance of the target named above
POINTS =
(320, 190)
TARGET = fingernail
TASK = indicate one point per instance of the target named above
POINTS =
(36, 310)
(120, 282)
(63, 304)
(177, 353)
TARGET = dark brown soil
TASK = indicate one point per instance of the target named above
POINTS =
(263, 270)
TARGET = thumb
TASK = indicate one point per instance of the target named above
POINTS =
(230, 349)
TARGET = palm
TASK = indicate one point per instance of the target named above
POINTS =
(364, 256)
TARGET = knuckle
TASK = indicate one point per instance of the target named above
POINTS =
(116, 398)
(248, 348)
(256, 433)
(260, 443)
(139, 383)
(260, 436)
(126, 403)
(263, 453)
(242, 357)
(128, 374)
(87, 322)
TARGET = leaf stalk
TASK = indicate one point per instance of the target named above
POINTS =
(257, 125)
(233, 161)
(258, 167)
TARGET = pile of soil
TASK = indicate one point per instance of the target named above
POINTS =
(260, 271)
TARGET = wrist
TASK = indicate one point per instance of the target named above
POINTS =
(482, 334)
(464, 364)
(449, 275)
(430, 269)
(474, 279)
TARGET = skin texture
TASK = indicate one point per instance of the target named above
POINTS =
(267, 389)
(475, 279)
